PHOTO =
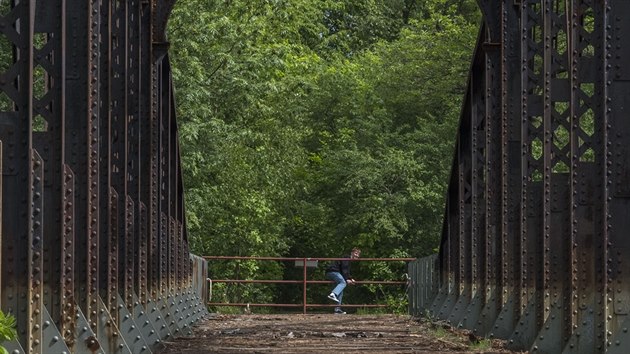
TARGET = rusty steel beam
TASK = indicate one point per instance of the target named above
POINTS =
(533, 243)
(16, 86)
(94, 247)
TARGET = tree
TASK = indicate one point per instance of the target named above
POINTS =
(308, 127)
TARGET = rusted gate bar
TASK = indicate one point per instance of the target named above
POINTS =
(94, 247)
(533, 240)
(304, 263)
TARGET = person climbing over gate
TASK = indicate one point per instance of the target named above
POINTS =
(339, 272)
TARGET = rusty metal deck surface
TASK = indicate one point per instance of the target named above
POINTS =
(323, 333)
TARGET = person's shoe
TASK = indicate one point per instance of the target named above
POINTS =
(333, 297)
(340, 312)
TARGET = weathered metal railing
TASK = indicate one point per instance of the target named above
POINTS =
(423, 285)
(94, 250)
(304, 263)
(535, 244)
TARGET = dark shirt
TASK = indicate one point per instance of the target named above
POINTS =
(342, 267)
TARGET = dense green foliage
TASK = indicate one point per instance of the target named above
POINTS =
(308, 127)
(7, 330)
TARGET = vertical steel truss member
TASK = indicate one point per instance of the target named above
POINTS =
(94, 245)
(534, 246)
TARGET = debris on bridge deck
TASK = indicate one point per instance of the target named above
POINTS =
(322, 333)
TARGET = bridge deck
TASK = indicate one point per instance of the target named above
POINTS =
(321, 333)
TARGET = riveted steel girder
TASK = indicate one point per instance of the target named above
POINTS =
(94, 245)
(533, 247)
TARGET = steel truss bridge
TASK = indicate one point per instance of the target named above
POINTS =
(94, 246)
(535, 244)
(536, 237)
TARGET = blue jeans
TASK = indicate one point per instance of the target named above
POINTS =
(341, 284)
